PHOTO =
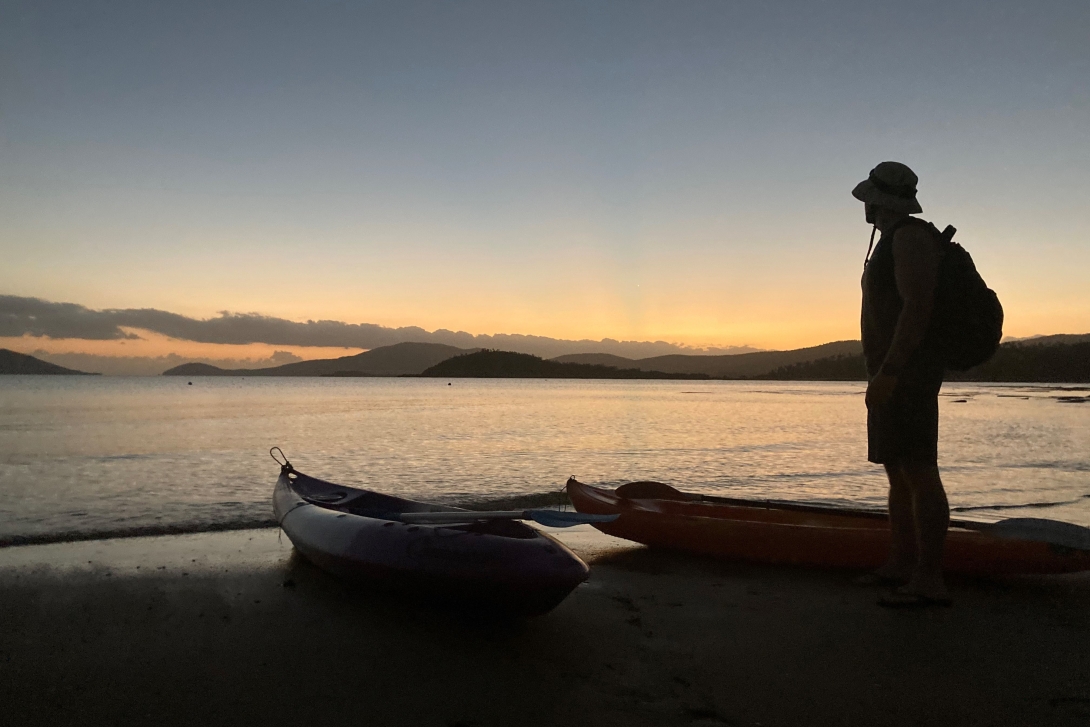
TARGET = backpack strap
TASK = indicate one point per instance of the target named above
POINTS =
(870, 247)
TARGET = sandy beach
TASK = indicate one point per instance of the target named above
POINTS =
(233, 628)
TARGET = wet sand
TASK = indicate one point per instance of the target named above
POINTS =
(232, 628)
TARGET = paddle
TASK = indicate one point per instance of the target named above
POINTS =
(549, 518)
(1041, 530)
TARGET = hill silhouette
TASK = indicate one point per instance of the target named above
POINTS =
(510, 365)
(734, 366)
(410, 359)
(1015, 362)
(1033, 362)
(1053, 359)
(202, 369)
(13, 362)
(400, 359)
(1052, 339)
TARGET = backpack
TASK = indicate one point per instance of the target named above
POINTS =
(967, 318)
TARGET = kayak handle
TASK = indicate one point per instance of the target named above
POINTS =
(285, 465)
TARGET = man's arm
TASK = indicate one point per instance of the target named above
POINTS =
(916, 268)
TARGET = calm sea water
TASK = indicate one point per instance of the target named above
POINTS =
(97, 455)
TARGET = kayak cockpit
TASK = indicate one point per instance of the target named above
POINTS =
(355, 500)
(366, 503)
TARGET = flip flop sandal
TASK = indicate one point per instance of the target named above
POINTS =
(900, 599)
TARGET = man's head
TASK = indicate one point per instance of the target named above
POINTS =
(888, 193)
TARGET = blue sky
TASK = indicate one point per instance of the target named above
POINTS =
(674, 171)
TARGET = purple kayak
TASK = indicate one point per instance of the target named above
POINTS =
(357, 534)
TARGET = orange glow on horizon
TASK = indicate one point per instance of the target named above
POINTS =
(778, 327)
(154, 345)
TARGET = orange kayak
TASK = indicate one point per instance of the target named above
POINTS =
(769, 532)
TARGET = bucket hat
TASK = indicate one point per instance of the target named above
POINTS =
(891, 185)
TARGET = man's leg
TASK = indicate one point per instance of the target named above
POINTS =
(932, 518)
(903, 547)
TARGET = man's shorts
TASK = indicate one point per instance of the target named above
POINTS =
(906, 428)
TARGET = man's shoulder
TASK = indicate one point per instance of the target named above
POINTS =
(914, 233)
(913, 228)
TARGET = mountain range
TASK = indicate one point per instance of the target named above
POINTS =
(736, 366)
(1030, 360)
(1063, 358)
(412, 359)
(400, 359)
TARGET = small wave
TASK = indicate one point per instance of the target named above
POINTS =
(1026, 505)
(1054, 466)
(140, 531)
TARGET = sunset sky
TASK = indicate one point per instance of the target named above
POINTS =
(676, 171)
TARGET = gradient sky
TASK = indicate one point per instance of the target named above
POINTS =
(670, 170)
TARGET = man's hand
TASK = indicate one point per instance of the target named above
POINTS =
(880, 389)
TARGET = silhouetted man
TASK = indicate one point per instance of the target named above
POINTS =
(905, 376)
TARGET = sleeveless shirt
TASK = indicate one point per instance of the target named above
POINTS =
(882, 302)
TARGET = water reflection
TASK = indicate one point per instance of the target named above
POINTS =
(98, 454)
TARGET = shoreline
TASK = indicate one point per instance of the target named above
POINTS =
(549, 498)
(140, 531)
(233, 627)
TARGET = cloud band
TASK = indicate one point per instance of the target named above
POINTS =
(21, 316)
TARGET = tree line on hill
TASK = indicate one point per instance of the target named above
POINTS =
(1017, 361)
(491, 364)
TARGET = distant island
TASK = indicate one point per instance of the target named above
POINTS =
(12, 362)
(509, 365)
(400, 359)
